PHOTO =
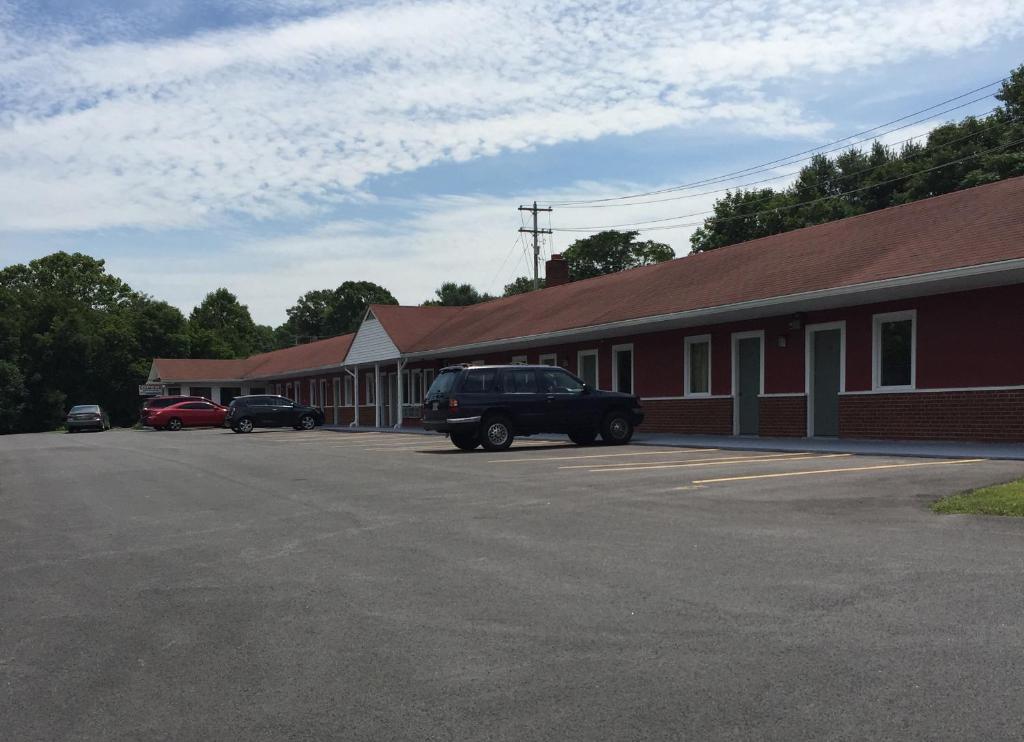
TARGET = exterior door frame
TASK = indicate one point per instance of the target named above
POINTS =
(616, 350)
(336, 385)
(736, 337)
(809, 331)
(588, 353)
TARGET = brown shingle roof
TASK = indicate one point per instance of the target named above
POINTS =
(970, 227)
(315, 355)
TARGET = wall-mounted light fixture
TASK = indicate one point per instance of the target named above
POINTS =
(796, 322)
(781, 341)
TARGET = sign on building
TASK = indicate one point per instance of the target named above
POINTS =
(149, 390)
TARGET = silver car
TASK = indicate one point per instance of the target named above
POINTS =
(87, 417)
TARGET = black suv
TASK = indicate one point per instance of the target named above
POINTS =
(489, 405)
(267, 411)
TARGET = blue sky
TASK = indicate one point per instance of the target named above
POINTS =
(278, 146)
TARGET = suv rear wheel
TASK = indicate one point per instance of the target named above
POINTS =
(244, 425)
(496, 433)
(617, 428)
(465, 441)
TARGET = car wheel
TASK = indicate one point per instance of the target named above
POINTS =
(244, 425)
(583, 437)
(174, 424)
(307, 422)
(465, 441)
(617, 428)
(496, 433)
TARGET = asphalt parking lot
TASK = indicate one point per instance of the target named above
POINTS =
(204, 585)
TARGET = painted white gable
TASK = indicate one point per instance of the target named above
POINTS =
(371, 343)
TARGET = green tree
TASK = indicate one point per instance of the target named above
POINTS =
(954, 156)
(221, 327)
(612, 251)
(326, 312)
(452, 294)
(522, 285)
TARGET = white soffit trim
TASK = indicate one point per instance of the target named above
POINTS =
(922, 284)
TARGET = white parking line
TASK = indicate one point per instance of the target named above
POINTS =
(724, 462)
(598, 456)
(837, 471)
(656, 464)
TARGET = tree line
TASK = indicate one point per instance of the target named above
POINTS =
(954, 156)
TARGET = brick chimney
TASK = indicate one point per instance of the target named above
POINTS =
(556, 271)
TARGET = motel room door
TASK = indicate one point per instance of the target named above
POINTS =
(826, 372)
(748, 385)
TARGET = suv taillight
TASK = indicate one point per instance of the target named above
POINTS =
(453, 404)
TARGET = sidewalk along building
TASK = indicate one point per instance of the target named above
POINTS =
(904, 323)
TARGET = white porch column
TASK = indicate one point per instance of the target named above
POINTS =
(355, 389)
(400, 366)
(376, 394)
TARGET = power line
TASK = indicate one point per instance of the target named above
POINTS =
(817, 200)
(844, 147)
(785, 175)
(781, 160)
(490, 286)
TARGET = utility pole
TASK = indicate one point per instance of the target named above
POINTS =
(536, 245)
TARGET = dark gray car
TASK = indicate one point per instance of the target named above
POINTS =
(87, 417)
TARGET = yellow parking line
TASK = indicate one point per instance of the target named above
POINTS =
(720, 462)
(597, 456)
(836, 471)
(656, 464)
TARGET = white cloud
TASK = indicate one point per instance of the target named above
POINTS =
(281, 120)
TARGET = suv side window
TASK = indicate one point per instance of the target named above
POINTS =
(479, 381)
(519, 381)
(557, 381)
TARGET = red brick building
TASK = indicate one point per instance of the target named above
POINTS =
(903, 323)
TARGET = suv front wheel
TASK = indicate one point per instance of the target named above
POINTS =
(496, 433)
(617, 428)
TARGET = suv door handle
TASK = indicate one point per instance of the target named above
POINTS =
(551, 398)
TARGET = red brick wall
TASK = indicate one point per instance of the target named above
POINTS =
(707, 416)
(783, 416)
(970, 416)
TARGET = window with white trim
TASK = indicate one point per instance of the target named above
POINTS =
(586, 367)
(518, 360)
(371, 389)
(350, 391)
(894, 350)
(697, 366)
(323, 392)
(428, 380)
(548, 359)
(622, 368)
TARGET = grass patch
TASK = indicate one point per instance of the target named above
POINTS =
(999, 499)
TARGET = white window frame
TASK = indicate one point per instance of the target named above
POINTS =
(519, 360)
(616, 349)
(349, 391)
(736, 337)
(809, 331)
(546, 357)
(876, 350)
(323, 393)
(580, 355)
(371, 391)
(481, 362)
(688, 342)
(428, 380)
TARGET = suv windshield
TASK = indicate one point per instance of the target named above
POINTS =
(443, 383)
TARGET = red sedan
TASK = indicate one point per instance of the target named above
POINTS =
(192, 414)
